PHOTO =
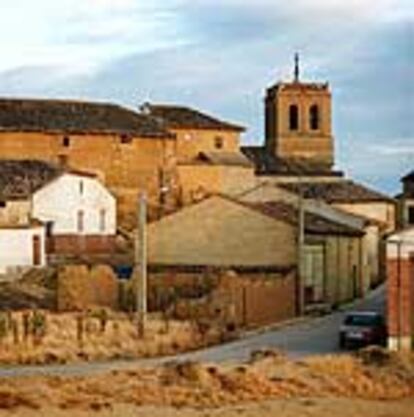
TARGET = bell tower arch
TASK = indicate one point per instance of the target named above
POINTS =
(298, 120)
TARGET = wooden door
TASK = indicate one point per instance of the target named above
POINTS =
(37, 251)
(314, 273)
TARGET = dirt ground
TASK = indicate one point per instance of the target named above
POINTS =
(309, 407)
(372, 383)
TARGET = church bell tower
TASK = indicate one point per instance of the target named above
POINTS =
(298, 120)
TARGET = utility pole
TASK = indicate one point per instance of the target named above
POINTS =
(301, 244)
(141, 264)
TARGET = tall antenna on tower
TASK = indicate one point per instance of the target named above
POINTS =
(296, 77)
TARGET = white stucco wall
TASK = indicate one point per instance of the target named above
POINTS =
(401, 244)
(61, 200)
(16, 247)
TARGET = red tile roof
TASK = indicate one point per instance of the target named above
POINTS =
(75, 117)
(267, 163)
(314, 223)
(336, 191)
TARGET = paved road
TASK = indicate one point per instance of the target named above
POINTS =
(313, 336)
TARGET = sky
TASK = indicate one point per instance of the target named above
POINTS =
(220, 55)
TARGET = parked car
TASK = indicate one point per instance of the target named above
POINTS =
(362, 328)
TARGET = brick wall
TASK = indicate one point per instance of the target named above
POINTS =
(78, 245)
(400, 301)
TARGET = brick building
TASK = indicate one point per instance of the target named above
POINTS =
(258, 240)
(400, 289)
(128, 151)
(208, 153)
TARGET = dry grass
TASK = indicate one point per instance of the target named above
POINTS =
(267, 377)
(61, 342)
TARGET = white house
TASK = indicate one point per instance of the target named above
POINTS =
(22, 247)
(73, 213)
(79, 213)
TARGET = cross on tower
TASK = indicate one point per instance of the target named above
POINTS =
(296, 78)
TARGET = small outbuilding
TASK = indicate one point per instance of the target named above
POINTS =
(259, 241)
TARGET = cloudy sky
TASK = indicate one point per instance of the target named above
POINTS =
(220, 55)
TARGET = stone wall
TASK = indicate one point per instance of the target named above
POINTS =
(245, 299)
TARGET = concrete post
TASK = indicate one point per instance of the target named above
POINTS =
(141, 264)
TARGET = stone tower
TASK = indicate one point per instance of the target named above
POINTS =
(298, 121)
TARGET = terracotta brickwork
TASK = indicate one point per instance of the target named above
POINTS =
(78, 245)
(400, 301)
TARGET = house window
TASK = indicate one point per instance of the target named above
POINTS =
(218, 142)
(3, 204)
(66, 141)
(314, 117)
(293, 117)
(102, 220)
(81, 187)
(411, 215)
(81, 220)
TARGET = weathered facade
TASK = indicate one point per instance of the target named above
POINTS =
(195, 131)
(219, 238)
(230, 174)
(218, 232)
(127, 150)
(372, 247)
(208, 153)
(351, 197)
(332, 256)
(249, 236)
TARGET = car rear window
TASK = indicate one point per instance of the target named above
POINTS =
(362, 320)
